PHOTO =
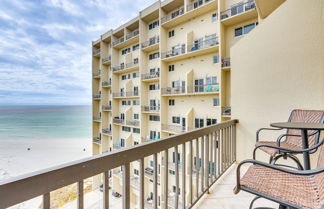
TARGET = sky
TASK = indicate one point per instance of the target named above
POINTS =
(45, 47)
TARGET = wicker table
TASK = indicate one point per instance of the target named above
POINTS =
(303, 127)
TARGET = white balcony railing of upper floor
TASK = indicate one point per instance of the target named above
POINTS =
(151, 109)
(173, 128)
(173, 90)
(106, 131)
(226, 111)
(119, 121)
(96, 140)
(95, 52)
(238, 8)
(216, 145)
(181, 49)
(196, 4)
(206, 42)
(125, 94)
(106, 83)
(106, 59)
(96, 96)
(127, 37)
(96, 118)
(122, 66)
(172, 15)
(118, 41)
(207, 88)
(96, 74)
(150, 42)
(133, 122)
(151, 75)
(106, 107)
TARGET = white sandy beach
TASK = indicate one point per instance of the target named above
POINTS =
(16, 159)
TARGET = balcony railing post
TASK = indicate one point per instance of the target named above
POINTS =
(141, 164)
(190, 172)
(176, 202)
(218, 152)
(166, 175)
(80, 202)
(106, 190)
(126, 186)
(202, 163)
(206, 161)
(155, 181)
(183, 167)
(47, 201)
(197, 167)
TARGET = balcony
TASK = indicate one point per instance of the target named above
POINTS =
(193, 10)
(96, 96)
(129, 39)
(203, 89)
(132, 34)
(151, 109)
(96, 74)
(126, 94)
(133, 123)
(96, 140)
(96, 118)
(207, 42)
(106, 131)
(42, 183)
(151, 44)
(118, 145)
(106, 60)
(118, 121)
(226, 62)
(118, 41)
(106, 107)
(179, 50)
(96, 52)
(106, 84)
(175, 129)
(239, 12)
(122, 68)
(226, 112)
(171, 91)
(150, 76)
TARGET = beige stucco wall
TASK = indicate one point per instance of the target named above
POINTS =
(276, 68)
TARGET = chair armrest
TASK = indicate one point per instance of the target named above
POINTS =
(279, 139)
(281, 169)
(262, 129)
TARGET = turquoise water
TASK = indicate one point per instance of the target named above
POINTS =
(43, 122)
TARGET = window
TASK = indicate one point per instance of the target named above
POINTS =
(154, 118)
(136, 130)
(122, 142)
(215, 59)
(216, 101)
(153, 24)
(211, 121)
(136, 116)
(154, 86)
(154, 55)
(199, 122)
(171, 68)
(135, 47)
(135, 143)
(172, 172)
(136, 75)
(238, 32)
(135, 90)
(214, 17)
(136, 102)
(176, 119)
(136, 172)
(125, 128)
(154, 135)
(136, 61)
(152, 163)
(171, 33)
(248, 28)
(171, 102)
(211, 80)
(125, 51)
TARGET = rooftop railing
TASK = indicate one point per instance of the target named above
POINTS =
(148, 76)
(207, 88)
(118, 41)
(173, 90)
(172, 15)
(132, 34)
(226, 62)
(106, 59)
(151, 41)
(197, 4)
(215, 145)
(238, 8)
(153, 109)
(95, 52)
(208, 41)
(174, 52)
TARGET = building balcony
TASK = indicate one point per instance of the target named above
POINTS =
(170, 91)
(239, 12)
(118, 145)
(118, 41)
(96, 52)
(122, 68)
(173, 15)
(207, 42)
(203, 89)
(106, 60)
(118, 121)
(106, 131)
(42, 183)
(96, 96)
(96, 140)
(173, 128)
(132, 34)
(131, 38)
(106, 107)
(151, 109)
(226, 62)
(151, 44)
(96, 74)
(181, 49)
(135, 123)
(106, 84)
(96, 118)
(150, 76)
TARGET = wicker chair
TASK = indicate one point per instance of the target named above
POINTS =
(292, 139)
(289, 188)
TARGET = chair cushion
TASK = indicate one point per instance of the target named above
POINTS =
(304, 191)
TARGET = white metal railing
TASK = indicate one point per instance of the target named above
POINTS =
(96, 96)
(106, 83)
(151, 41)
(118, 121)
(96, 140)
(237, 8)
(96, 118)
(207, 88)
(173, 90)
(148, 76)
(151, 108)
(196, 4)
(173, 128)
(206, 42)
(96, 74)
(95, 52)
(106, 131)
(132, 34)
(118, 41)
(132, 122)
(214, 144)
(172, 15)
(181, 49)
(106, 59)
(106, 107)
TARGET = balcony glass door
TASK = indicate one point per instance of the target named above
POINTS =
(199, 85)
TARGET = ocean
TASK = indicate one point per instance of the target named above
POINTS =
(45, 122)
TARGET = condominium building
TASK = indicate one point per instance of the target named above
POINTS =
(165, 72)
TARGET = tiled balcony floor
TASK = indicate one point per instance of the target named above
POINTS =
(222, 197)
